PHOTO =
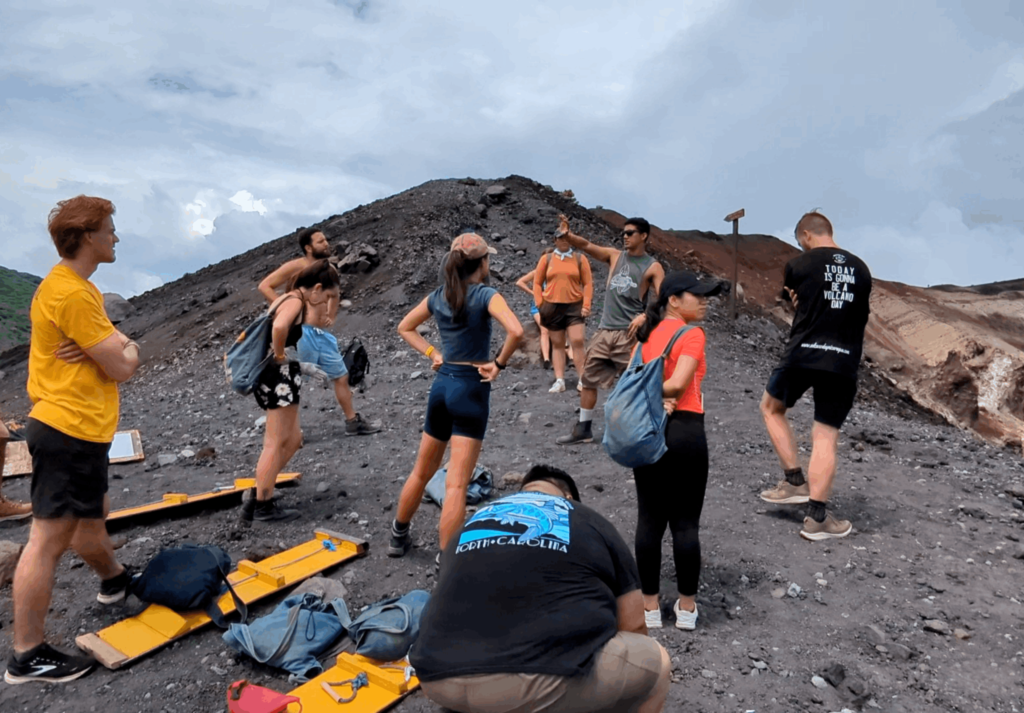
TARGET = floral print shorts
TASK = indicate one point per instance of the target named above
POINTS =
(278, 386)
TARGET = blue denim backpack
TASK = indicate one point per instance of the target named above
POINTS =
(388, 629)
(634, 413)
(250, 353)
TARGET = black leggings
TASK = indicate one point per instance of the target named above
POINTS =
(670, 493)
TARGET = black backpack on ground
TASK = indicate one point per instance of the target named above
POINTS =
(187, 578)
(357, 361)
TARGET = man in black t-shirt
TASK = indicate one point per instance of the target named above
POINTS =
(829, 288)
(538, 607)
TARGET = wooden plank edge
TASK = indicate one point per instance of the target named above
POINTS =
(362, 546)
(102, 651)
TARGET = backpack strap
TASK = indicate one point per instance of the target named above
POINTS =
(217, 616)
(672, 342)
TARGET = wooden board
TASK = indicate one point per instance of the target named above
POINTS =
(130, 639)
(19, 462)
(170, 501)
(127, 447)
(387, 687)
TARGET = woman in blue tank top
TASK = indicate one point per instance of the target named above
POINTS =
(459, 401)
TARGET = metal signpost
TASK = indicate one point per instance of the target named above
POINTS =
(735, 218)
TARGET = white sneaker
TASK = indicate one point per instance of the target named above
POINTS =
(653, 618)
(685, 619)
(558, 387)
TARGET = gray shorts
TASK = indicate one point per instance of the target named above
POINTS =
(624, 673)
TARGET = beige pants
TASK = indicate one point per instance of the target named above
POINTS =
(607, 356)
(624, 673)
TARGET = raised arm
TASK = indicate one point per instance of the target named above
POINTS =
(602, 254)
(279, 278)
(499, 310)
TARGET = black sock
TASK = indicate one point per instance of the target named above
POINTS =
(795, 476)
(399, 528)
(816, 510)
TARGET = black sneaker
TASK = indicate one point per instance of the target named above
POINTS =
(248, 507)
(271, 511)
(581, 433)
(115, 589)
(47, 665)
(400, 542)
(360, 427)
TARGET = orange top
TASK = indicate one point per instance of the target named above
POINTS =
(690, 344)
(561, 281)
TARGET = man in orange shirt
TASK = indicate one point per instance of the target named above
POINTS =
(76, 360)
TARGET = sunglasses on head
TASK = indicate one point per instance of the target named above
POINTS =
(628, 233)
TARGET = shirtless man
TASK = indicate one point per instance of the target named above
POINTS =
(633, 277)
(317, 346)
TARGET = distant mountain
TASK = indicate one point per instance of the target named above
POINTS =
(992, 288)
(16, 290)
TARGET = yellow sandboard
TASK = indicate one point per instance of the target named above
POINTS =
(157, 626)
(387, 686)
(175, 500)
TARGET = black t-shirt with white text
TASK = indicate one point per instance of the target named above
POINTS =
(529, 586)
(832, 288)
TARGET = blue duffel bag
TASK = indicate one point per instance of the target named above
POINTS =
(388, 629)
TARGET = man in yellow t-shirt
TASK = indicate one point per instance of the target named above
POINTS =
(76, 360)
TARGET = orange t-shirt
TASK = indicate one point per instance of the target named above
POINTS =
(558, 280)
(690, 344)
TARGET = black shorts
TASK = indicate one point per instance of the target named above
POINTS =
(69, 476)
(278, 386)
(833, 394)
(459, 404)
(558, 316)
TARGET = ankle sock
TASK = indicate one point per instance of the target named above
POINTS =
(816, 510)
(586, 415)
(795, 476)
(399, 529)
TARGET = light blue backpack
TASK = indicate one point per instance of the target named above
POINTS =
(250, 353)
(634, 413)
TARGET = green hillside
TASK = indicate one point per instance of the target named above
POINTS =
(16, 290)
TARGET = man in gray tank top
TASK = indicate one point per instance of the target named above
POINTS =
(634, 277)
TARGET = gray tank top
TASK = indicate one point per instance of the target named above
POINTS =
(622, 297)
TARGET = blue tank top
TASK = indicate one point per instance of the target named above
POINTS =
(468, 339)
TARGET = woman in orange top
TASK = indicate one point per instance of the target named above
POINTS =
(670, 493)
(563, 290)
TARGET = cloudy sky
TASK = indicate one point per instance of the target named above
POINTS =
(217, 126)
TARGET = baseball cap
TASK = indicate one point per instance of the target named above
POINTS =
(472, 246)
(680, 281)
(546, 472)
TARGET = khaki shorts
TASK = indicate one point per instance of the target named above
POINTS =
(607, 356)
(624, 673)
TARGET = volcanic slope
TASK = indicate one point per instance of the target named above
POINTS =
(919, 610)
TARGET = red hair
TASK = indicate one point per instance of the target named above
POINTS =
(71, 219)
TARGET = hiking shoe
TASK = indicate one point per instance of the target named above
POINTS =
(271, 511)
(360, 427)
(248, 508)
(686, 620)
(557, 387)
(115, 589)
(581, 433)
(47, 665)
(400, 543)
(547, 365)
(14, 509)
(785, 493)
(830, 529)
(653, 618)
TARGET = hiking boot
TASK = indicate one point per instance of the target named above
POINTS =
(14, 509)
(653, 618)
(248, 508)
(271, 511)
(581, 433)
(557, 387)
(829, 530)
(47, 665)
(686, 620)
(400, 543)
(359, 427)
(785, 493)
(115, 589)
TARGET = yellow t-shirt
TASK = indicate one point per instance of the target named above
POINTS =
(76, 399)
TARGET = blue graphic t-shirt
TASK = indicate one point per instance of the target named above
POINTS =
(529, 586)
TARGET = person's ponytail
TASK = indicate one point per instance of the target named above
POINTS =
(457, 268)
(655, 313)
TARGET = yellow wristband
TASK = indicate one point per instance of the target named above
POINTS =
(430, 350)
